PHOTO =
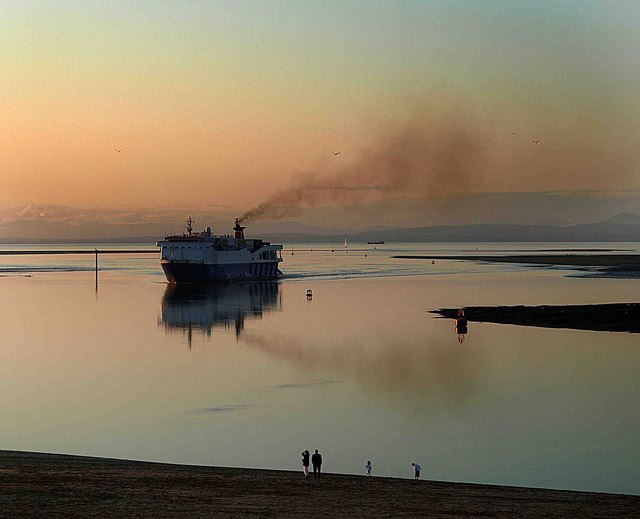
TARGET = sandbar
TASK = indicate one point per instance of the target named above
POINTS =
(611, 317)
(575, 260)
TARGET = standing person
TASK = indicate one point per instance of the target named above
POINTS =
(316, 461)
(461, 325)
(368, 467)
(305, 463)
(416, 471)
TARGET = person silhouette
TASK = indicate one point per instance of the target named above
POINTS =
(316, 461)
(416, 471)
(368, 467)
(305, 463)
(461, 326)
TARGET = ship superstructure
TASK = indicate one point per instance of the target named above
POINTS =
(202, 257)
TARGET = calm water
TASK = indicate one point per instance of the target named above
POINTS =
(252, 375)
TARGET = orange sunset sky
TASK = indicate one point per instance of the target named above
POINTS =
(223, 103)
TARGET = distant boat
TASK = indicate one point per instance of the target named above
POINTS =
(376, 242)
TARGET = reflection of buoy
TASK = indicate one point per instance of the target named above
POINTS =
(309, 294)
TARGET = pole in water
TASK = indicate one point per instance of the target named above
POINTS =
(96, 269)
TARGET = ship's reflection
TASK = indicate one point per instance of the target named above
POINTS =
(201, 309)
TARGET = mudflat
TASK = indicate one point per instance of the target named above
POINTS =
(576, 260)
(52, 485)
(611, 317)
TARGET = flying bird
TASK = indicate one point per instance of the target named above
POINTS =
(337, 153)
(118, 151)
(513, 133)
(535, 142)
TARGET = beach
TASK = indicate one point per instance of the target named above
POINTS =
(572, 260)
(52, 485)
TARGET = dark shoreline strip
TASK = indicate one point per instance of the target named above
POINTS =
(614, 317)
(575, 260)
(78, 251)
(50, 485)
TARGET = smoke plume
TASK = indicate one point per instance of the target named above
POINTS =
(427, 156)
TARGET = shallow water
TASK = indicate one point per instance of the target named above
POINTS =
(252, 375)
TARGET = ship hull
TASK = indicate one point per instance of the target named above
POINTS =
(183, 272)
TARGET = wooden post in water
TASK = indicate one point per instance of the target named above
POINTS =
(96, 270)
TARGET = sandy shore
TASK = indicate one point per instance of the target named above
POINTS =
(631, 261)
(50, 485)
(610, 265)
(615, 317)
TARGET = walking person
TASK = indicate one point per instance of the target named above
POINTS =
(316, 461)
(368, 467)
(416, 471)
(305, 463)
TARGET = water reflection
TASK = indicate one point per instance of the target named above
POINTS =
(200, 309)
(421, 372)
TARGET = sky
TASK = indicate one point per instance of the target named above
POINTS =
(158, 104)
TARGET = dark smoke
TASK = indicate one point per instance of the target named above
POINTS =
(426, 157)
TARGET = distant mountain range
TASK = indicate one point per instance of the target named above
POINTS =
(523, 216)
(624, 227)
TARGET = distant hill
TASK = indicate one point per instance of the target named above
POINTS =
(624, 227)
(37, 231)
(611, 230)
(625, 219)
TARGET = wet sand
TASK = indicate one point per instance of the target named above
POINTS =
(575, 260)
(615, 317)
(50, 485)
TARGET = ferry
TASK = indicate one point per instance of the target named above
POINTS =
(202, 257)
(376, 242)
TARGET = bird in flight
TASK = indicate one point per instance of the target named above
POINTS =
(535, 142)
(118, 151)
(513, 133)
(337, 153)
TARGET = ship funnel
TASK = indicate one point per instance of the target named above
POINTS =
(238, 230)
